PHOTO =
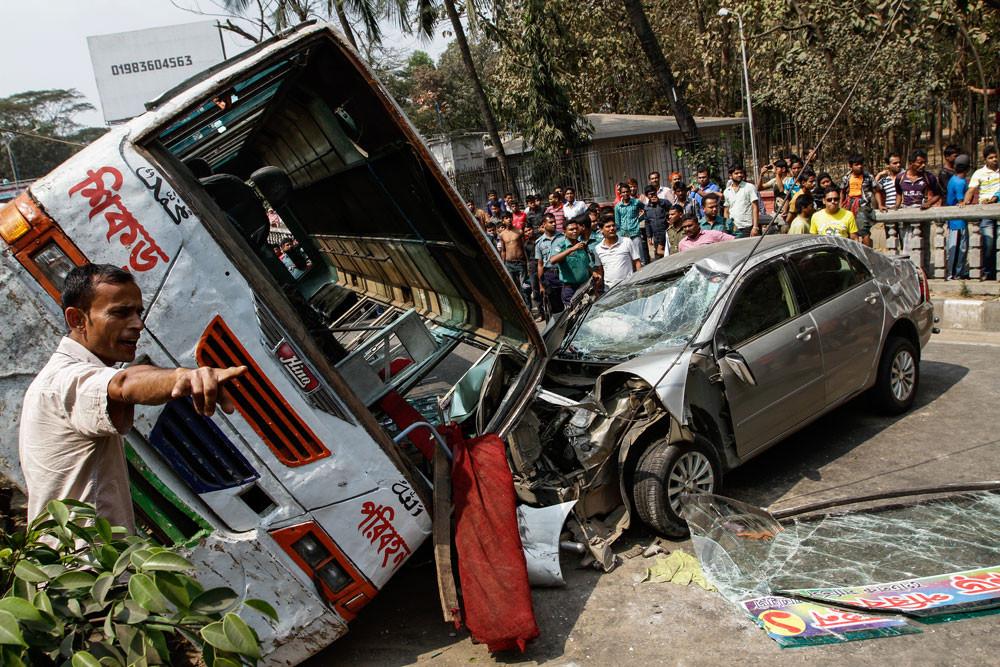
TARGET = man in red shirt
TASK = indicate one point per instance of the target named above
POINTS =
(519, 216)
(556, 209)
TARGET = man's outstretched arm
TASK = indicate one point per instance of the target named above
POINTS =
(149, 385)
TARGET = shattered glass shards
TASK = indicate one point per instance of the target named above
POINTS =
(760, 565)
(639, 318)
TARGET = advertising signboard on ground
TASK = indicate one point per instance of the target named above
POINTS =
(134, 67)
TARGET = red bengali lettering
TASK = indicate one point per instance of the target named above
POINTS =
(910, 601)
(979, 584)
(145, 254)
(839, 619)
(377, 526)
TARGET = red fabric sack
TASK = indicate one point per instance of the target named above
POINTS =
(491, 564)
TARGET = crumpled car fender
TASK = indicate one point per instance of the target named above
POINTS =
(659, 371)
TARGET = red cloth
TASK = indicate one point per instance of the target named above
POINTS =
(491, 564)
(403, 414)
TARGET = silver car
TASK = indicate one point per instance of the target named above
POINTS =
(704, 359)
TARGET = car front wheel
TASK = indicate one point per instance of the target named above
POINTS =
(898, 376)
(666, 472)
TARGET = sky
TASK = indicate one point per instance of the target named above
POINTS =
(45, 43)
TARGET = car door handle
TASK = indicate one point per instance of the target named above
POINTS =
(805, 333)
(872, 297)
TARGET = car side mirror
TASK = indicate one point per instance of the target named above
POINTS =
(740, 368)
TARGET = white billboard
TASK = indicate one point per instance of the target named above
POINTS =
(132, 68)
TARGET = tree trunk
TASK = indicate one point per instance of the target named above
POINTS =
(345, 25)
(651, 47)
(705, 66)
(481, 99)
(938, 113)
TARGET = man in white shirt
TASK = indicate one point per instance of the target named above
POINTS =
(740, 204)
(617, 258)
(663, 192)
(572, 207)
(79, 406)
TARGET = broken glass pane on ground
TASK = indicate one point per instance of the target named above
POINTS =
(853, 573)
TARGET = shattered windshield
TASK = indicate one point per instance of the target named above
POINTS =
(645, 317)
(827, 577)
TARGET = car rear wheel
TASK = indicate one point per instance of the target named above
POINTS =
(898, 376)
(665, 472)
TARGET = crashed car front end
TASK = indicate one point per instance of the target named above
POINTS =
(616, 384)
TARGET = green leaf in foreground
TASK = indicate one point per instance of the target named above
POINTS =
(167, 562)
(84, 659)
(20, 609)
(215, 634)
(214, 600)
(10, 633)
(144, 592)
(241, 636)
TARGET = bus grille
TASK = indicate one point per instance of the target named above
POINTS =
(197, 450)
(260, 403)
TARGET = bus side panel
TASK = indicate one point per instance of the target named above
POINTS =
(248, 565)
(378, 531)
(112, 213)
(31, 328)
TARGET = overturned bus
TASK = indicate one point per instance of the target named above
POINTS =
(301, 497)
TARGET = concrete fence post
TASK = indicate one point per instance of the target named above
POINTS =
(975, 250)
(891, 238)
(939, 257)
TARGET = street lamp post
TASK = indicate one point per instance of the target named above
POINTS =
(746, 85)
(13, 166)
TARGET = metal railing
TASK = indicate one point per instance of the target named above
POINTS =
(921, 235)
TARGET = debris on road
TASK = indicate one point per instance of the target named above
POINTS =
(679, 568)
(540, 529)
(814, 577)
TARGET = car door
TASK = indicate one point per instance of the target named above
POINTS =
(849, 311)
(770, 359)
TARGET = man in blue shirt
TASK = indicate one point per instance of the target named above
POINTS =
(656, 220)
(958, 230)
(703, 186)
(628, 213)
(548, 276)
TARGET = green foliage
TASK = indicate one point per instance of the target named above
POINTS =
(46, 114)
(425, 88)
(78, 591)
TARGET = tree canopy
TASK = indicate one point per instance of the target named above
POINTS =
(42, 130)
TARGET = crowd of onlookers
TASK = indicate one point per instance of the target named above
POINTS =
(552, 249)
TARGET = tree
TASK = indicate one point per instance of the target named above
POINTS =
(433, 96)
(41, 130)
(270, 17)
(651, 47)
(426, 14)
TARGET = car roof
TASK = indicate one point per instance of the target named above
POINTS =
(726, 256)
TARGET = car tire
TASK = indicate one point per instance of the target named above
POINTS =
(898, 376)
(664, 473)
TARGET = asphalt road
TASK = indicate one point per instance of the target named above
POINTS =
(951, 435)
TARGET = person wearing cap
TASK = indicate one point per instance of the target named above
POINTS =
(958, 230)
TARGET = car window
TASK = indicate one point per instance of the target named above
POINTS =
(828, 272)
(764, 301)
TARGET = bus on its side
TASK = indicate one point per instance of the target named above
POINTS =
(301, 497)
